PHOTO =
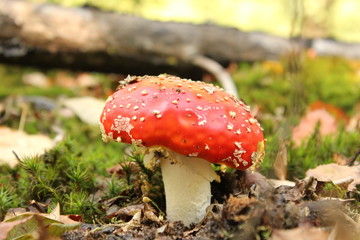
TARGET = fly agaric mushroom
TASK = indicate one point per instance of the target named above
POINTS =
(184, 126)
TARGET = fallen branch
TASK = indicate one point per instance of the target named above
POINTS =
(218, 71)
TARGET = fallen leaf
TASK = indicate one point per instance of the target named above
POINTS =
(331, 216)
(13, 212)
(6, 227)
(354, 122)
(305, 232)
(277, 183)
(307, 125)
(64, 79)
(88, 109)
(36, 79)
(340, 159)
(29, 225)
(334, 172)
(281, 160)
(339, 114)
(86, 80)
(135, 222)
(128, 212)
(22, 144)
(55, 213)
(327, 115)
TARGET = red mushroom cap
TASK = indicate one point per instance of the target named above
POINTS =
(190, 118)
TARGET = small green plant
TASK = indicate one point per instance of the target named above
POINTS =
(7, 200)
(334, 190)
(116, 187)
(80, 202)
(42, 180)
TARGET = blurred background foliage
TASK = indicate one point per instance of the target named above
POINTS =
(321, 18)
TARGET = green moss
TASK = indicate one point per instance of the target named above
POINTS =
(74, 171)
(7, 200)
(332, 80)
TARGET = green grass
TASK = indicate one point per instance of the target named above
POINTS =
(311, 153)
(271, 84)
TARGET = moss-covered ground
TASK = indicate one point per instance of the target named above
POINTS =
(79, 171)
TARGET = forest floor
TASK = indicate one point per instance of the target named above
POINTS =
(58, 180)
(243, 212)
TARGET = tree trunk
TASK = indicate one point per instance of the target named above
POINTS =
(47, 35)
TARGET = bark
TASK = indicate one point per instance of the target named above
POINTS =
(47, 35)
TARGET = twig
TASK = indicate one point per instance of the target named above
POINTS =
(353, 159)
(17, 156)
(24, 112)
(218, 71)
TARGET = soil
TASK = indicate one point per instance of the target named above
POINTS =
(246, 206)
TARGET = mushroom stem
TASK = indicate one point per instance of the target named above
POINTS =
(187, 187)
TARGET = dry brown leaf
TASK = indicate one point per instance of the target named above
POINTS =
(128, 212)
(340, 159)
(354, 121)
(65, 219)
(334, 172)
(304, 232)
(13, 212)
(280, 164)
(22, 144)
(55, 213)
(307, 125)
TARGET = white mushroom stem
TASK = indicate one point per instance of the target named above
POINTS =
(187, 186)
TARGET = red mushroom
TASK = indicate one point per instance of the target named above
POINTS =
(183, 125)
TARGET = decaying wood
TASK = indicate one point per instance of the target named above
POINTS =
(47, 35)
